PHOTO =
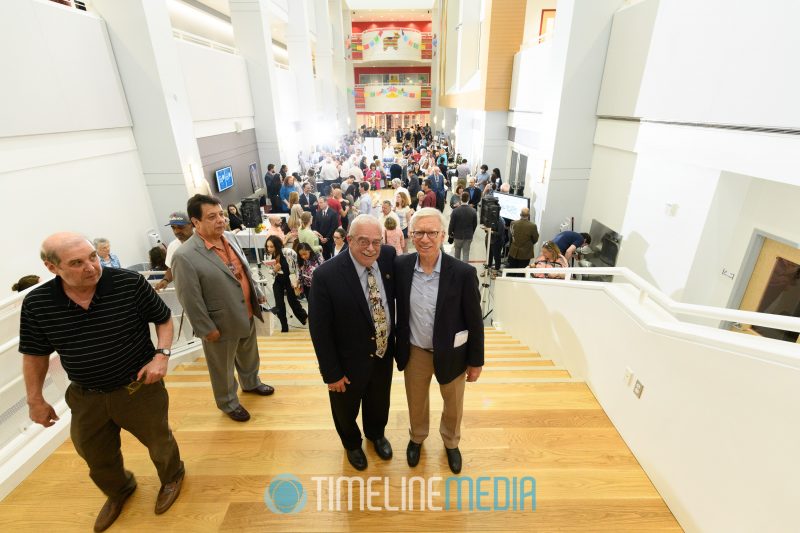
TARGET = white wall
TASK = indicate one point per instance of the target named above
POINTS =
(69, 160)
(59, 71)
(718, 61)
(715, 429)
(218, 89)
(726, 185)
(533, 18)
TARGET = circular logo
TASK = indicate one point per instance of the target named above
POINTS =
(285, 495)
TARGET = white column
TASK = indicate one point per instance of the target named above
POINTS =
(349, 74)
(325, 74)
(150, 70)
(297, 41)
(341, 83)
(438, 57)
(253, 35)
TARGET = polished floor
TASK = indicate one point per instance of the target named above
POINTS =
(525, 417)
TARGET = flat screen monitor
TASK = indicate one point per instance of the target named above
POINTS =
(224, 179)
(511, 205)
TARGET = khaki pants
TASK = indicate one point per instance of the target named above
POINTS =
(96, 422)
(418, 374)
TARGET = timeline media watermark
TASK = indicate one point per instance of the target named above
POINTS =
(287, 495)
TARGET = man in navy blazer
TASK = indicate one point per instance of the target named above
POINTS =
(439, 332)
(355, 360)
(308, 200)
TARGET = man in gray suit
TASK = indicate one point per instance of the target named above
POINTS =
(215, 288)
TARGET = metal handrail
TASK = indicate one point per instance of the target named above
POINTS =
(647, 290)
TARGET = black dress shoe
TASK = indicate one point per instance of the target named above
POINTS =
(383, 448)
(412, 453)
(262, 390)
(454, 460)
(357, 458)
(239, 414)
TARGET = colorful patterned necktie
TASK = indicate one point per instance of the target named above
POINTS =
(378, 314)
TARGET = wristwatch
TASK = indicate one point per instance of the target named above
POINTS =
(164, 351)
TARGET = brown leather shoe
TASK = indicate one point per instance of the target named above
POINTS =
(168, 494)
(110, 512)
(263, 390)
(239, 414)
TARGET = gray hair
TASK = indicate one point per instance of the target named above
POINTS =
(426, 212)
(396, 182)
(360, 220)
(100, 240)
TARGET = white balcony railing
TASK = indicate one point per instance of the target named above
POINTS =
(649, 291)
(392, 44)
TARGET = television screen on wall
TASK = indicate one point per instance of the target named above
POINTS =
(511, 205)
(224, 179)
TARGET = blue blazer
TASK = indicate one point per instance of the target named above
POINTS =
(458, 308)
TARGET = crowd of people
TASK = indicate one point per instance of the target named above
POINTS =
(371, 303)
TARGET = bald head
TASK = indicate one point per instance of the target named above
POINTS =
(53, 246)
(525, 212)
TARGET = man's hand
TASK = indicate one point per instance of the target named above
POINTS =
(213, 336)
(154, 370)
(161, 285)
(339, 386)
(42, 413)
(473, 372)
(323, 240)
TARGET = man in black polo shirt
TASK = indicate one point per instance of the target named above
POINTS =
(97, 320)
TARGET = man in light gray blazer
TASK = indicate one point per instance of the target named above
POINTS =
(217, 292)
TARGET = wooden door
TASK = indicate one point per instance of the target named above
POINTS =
(774, 287)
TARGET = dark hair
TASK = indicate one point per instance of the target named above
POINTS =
(464, 160)
(277, 243)
(270, 167)
(158, 258)
(484, 168)
(25, 282)
(428, 182)
(342, 233)
(587, 238)
(365, 185)
(464, 197)
(299, 247)
(194, 207)
(236, 209)
(496, 172)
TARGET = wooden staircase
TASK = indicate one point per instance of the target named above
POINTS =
(288, 359)
(525, 416)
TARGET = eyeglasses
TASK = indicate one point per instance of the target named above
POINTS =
(134, 386)
(363, 242)
(430, 234)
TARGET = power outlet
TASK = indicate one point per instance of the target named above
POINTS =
(628, 376)
(638, 388)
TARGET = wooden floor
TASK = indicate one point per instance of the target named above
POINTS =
(525, 417)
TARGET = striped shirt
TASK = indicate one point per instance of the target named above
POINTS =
(102, 347)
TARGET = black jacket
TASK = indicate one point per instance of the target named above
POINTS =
(326, 224)
(309, 205)
(463, 222)
(340, 320)
(458, 308)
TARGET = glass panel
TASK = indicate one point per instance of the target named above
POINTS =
(781, 297)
